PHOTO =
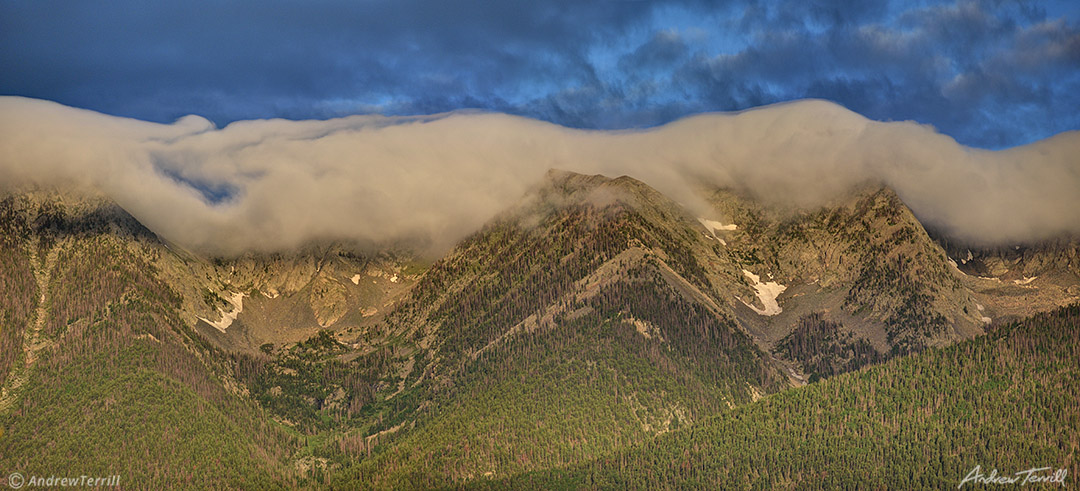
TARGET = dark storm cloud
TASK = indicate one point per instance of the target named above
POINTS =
(986, 75)
(663, 49)
(243, 59)
(990, 73)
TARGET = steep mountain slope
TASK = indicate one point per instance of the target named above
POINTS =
(570, 241)
(1004, 401)
(20, 289)
(109, 378)
(1019, 281)
(863, 262)
(860, 280)
(591, 317)
(865, 283)
(248, 302)
(572, 324)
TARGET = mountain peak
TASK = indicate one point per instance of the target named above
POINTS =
(55, 212)
(572, 181)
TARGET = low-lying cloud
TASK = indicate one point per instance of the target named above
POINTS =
(275, 184)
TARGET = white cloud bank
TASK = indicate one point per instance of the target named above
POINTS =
(374, 178)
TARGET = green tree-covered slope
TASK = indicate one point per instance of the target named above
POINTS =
(593, 335)
(1003, 401)
(568, 327)
(109, 380)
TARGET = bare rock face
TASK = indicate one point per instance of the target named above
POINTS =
(328, 300)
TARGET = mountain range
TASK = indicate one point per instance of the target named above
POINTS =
(596, 333)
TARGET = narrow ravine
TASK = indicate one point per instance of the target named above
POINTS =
(33, 340)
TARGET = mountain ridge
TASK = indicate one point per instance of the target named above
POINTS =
(594, 300)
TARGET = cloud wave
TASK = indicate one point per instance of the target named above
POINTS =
(275, 184)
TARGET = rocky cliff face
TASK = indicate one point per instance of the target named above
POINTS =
(864, 261)
(1015, 282)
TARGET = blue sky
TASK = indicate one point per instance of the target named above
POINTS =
(991, 74)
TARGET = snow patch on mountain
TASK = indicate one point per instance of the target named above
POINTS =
(710, 236)
(766, 292)
(227, 318)
(713, 226)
